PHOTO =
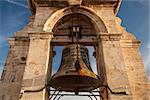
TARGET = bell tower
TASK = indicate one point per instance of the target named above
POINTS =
(27, 71)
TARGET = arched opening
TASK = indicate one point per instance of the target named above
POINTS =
(63, 28)
(64, 25)
(58, 15)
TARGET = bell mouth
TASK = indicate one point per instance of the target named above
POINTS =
(73, 83)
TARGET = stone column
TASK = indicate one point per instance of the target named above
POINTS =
(115, 75)
(135, 68)
(35, 75)
(101, 69)
(10, 84)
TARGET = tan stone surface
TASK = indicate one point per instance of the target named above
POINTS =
(117, 53)
(10, 84)
(114, 64)
(35, 74)
(134, 66)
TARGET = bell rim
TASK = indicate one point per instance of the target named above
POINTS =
(87, 87)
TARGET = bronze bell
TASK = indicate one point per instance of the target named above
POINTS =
(75, 73)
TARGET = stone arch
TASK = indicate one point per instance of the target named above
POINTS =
(96, 20)
(99, 25)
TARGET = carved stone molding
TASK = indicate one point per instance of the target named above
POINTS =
(109, 37)
(11, 41)
(33, 36)
(130, 43)
(18, 41)
(128, 39)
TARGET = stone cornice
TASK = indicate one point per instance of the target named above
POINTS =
(130, 43)
(128, 39)
(63, 3)
(109, 37)
(12, 41)
(41, 35)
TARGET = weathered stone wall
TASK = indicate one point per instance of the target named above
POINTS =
(134, 65)
(35, 74)
(12, 75)
(148, 91)
(41, 16)
(106, 14)
(116, 75)
(119, 60)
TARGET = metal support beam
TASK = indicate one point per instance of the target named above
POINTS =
(88, 95)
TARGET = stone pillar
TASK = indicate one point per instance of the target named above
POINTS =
(35, 75)
(115, 75)
(10, 84)
(101, 70)
(135, 68)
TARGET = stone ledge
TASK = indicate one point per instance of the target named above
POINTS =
(109, 36)
(44, 35)
(130, 43)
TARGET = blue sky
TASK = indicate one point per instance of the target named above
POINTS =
(14, 16)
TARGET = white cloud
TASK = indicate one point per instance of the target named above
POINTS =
(2, 39)
(93, 65)
(75, 98)
(92, 59)
(3, 42)
(147, 60)
(1, 69)
(18, 4)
